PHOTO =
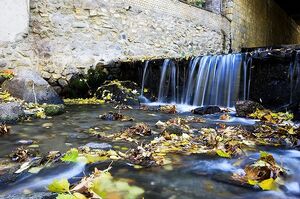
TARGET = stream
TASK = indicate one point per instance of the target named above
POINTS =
(195, 176)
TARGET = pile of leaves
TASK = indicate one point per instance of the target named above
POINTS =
(86, 101)
(132, 133)
(168, 109)
(7, 74)
(264, 172)
(6, 97)
(87, 155)
(113, 116)
(4, 129)
(22, 154)
(271, 117)
(100, 184)
(278, 135)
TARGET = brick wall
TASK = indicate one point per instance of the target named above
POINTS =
(258, 23)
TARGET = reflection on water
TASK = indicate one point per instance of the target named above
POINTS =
(190, 177)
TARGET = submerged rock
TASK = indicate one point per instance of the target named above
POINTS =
(25, 142)
(29, 86)
(35, 195)
(11, 112)
(246, 107)
(95, 145)
(54, 109)
(207, 110)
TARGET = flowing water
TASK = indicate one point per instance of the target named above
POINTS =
(209, 80)
(196, 176)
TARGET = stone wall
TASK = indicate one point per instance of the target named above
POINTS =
(71, 36)
(257, 23)
(14, 19)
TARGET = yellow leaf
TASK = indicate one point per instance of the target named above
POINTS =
(59, 186)
(268, 184)
(252, 182)
(223, 154)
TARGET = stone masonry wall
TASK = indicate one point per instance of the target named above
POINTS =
(257, 23)
(71, 36)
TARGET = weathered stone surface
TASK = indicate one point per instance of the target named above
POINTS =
(206, 110)
(11, 112)
(31, 87)
(244, 108)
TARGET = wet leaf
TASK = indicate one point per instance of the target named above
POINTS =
(225, 117)
(223, 154)
(70, 156)
(59, 186)
(66, 196)
(268, 184)
(35, 169)
(4, 129)
(84, 101)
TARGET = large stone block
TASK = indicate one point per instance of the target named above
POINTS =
(31, 87)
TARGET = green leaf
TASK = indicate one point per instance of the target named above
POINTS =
(268, 184)
(263, 154)
(70, 196)
(65, 196)
(70, 156)
(59, 186)
(223, 154)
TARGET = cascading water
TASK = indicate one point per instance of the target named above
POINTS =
(215, 80)
(142, 97)
(209, 80)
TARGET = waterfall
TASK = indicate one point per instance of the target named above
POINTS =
(168, 75)
(208, 80)
(144, 77)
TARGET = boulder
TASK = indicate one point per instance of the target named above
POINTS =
(29, 86)
(124, 92)
(246, 107)
(54, 109)
(11, 112)
(206, 110)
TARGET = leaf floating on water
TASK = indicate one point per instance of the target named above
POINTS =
(59, 186)
(222, 153)
(271, 117)
(71, 156)
(225, 117)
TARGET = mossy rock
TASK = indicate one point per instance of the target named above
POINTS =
(53, 109)
(125, 92)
